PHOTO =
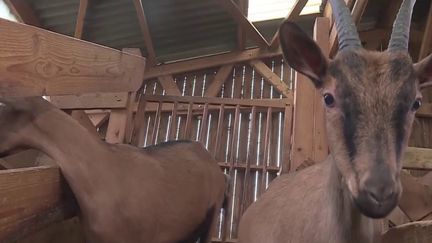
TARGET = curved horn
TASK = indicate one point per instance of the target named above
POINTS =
(347, 32)
(401, 28)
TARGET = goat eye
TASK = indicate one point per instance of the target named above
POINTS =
(329, 100)
(416, 104)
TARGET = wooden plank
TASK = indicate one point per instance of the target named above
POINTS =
(32, 198)
(84, 120)
(169, 85)
(116, 126)
(397, 217)
(156, 126)
(415, 232)
(266, 149)
(236, 13)
(139, 129)
(82, 11)
(292, 15)
(98, 118)
(416, 200)
(219, 80)
(145, 31)
(204, 124)
(173, 127)
(210, 61)
(418, 158)
(320, 146)
(357, 13)
(219, 131)
(275, 103)
(287, 139)
(427, 36)
(91, 101)
(36, 62)
(188, 127)
(271, 78)
(24, 12)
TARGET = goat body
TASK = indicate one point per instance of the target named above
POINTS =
(162, 194)
(312, 205)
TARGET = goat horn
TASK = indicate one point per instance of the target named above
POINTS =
(347, 32)
(401, 28)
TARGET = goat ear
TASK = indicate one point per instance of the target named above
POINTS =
(302, 53)
(424, 71)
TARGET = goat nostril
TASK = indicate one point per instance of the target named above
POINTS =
(380, 195)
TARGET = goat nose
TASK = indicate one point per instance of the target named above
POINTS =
(380, 193)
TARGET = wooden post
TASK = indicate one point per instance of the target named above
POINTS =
(120, 123)
(309, 142)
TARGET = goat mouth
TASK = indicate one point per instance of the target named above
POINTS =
(374, 209)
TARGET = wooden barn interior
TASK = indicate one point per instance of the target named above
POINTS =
(212, 72)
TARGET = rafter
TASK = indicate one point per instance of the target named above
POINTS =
(236, 13)
(427, 37)
(24, 12)
(210, 61)
(357, 13)
(169, 85)
(271, 77)
(292, 15)
(241, 33)
(82, 11)
(151, 54)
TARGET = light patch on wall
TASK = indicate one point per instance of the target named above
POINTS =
(260, 10)
(5, 12)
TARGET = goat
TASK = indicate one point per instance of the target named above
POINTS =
(370, 99)
(166, 193)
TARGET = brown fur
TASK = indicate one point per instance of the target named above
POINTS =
(162, 194)
(368, 126)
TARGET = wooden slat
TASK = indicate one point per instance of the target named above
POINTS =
(188, 127)
(82, 11)
(32, 198)
(287, 139)
(266, 148)
(204, 124)
(236, 13)
(210, 61)
(91, 101)
(145, 31)
(219, 130)
(169, 85)
(427, 37)
(357, 13)
(173, 127)
(116, 126)
(36, 62)
(24, 12)
(139, 129)
(219, 80)
(271, 78)
(275, 103)
(156, 126)
(292, 15)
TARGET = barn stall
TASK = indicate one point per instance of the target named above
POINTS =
(213, 72)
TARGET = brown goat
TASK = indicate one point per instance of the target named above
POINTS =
(371, 99)
(167, 193)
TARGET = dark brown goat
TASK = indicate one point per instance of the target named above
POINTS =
(371, 99)
(167, 193)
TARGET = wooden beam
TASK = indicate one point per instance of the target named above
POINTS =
(427, 37)
(418, 158)
(37, 62)
(98, 118)
(169, 85)
(91, 101)
(292, 15)
(425, 111)
(271, 77)
(220, 78)
(236, 13)
(419, 232)
(82, 11)
(24, 12)
(145, 31)
(210, 61)
(31, 199)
